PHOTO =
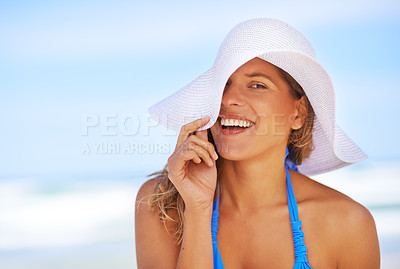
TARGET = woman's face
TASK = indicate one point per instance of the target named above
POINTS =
(257, 94)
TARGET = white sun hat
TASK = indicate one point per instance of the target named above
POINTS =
(280, 44)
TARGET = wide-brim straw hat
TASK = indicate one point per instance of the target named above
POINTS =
(281, 45)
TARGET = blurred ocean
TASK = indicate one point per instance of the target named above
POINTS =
(87, 221)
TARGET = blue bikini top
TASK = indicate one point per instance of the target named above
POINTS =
(300, 250)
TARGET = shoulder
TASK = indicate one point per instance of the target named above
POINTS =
(155, 245)
(145, 194)
(143, 199)
(337, 210)
(144, 212)
(145, 191)
(323, 197)
(147, 209)
(346, 225)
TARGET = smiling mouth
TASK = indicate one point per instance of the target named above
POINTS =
(234, 126)
(235, 123)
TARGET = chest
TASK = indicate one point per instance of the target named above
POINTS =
(265, 240)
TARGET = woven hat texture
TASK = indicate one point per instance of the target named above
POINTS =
(280, 44)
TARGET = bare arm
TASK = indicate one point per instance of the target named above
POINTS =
(191, 168)
(156, 248)
(196, 249)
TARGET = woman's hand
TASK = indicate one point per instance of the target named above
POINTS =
(191, 168)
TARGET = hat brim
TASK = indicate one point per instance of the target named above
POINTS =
(332, 147)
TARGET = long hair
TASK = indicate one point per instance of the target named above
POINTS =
(167, 200)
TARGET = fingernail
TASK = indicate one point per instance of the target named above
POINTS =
(211, 162)
(205, 117)
(215, 155)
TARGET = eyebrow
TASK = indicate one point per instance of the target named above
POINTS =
(259, 75)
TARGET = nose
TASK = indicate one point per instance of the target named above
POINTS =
(232, 95)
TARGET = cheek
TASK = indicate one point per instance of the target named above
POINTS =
(275, 118)
(272, 125)
(280, 125)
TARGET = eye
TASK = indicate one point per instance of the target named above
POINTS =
(258, 86)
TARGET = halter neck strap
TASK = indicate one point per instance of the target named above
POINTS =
(300, 250)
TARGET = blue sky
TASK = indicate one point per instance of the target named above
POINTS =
(64, 62)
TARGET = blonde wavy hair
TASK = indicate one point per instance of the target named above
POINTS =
(167, 200)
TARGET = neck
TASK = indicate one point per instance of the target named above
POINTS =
(251, 184)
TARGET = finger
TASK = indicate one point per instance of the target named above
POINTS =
(200, 152)
(177, 161)
(196, 159)
(189, 128)
(202, 134)
(204, 143)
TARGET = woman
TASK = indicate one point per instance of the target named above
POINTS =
(235, 192)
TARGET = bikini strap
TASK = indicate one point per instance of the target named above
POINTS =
(300, 249)
(215, 216)
(217, 260)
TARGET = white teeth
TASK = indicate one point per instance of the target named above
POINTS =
(232, 122)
